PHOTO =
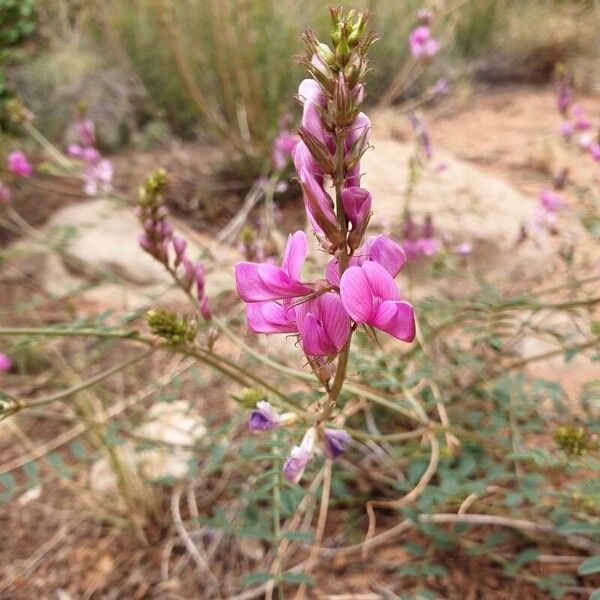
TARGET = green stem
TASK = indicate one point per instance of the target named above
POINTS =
(90, 382)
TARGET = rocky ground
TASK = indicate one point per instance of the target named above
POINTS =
(493, 152)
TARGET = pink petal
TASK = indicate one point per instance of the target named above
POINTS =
(396, 318)
(268, 317)
(295, 253)
(356, 295)
(310, 90)
(357, 204)
(387, 253)
(279, 283)
(332, 272)
(314, 339)
(335, 319)
(250, 286)
(380, 281)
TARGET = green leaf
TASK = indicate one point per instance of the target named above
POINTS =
(299, 578)
(298, 536)
(595, 595)
(254, 578)
(589, 566)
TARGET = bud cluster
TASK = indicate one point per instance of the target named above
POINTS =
(171, 327)
(97, 171)
(160, 241)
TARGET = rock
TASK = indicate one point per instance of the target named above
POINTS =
(173, 426)
(465, 203)
(104, 239)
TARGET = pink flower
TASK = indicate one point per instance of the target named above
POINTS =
(323, 324)
(283, 145)
(371, 297)
(299, 457)
(271, 317)
(380, 249)
(86, 131)
(567, 129)
(428, 246)
(258, 282)
(422, 45)
(551, 201)
(336, 441)
(98, 177)
(355, 143)
(582, 123)
(317, 202)
(357, 205)
(595, 152)
(18, 164)
(310, 90)
(5, 363)
(4, 193)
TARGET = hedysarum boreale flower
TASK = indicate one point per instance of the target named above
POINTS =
(371, 297)
(259, 282)
(336, 441)
(264, 418)
(299, 457)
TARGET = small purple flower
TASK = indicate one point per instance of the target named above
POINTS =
(595, 152)
(18, 164)
(551, 201)
(263, 418)
(258, 282)
(564, 96)
(299, 457)
(283, 145)
(371, 297)
(422, 45)
(336, 441)
(5, 363)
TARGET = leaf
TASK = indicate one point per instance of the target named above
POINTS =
(581, 528)
(298, 536)
(589, 566)
(300, 578)
(595, 595)
(254, 578)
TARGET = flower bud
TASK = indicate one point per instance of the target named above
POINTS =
(205, 309)
(179, 245)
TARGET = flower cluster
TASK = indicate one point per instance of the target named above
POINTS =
(284, 144)
(358, 287)
(575, 120)
(420, 41)
(98, 171)
(160, 241)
